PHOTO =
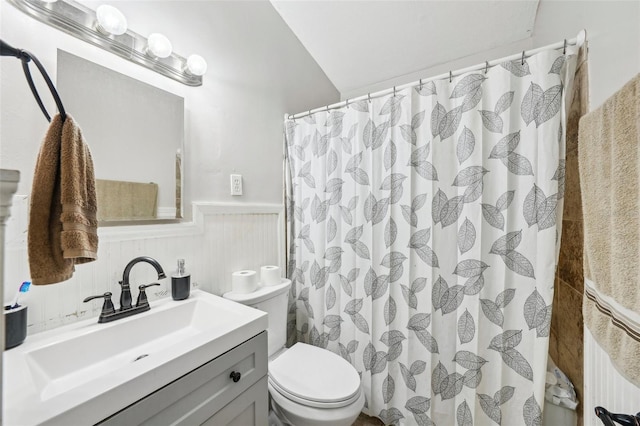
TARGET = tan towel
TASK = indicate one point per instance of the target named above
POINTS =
(121, 200)
(62, 216)
(610, 174)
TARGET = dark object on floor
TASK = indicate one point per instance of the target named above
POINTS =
(364, 420)
(608, 418)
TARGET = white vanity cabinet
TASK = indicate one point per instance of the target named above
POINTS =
(208, 395)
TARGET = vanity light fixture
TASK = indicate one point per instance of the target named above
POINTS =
(110, 20)
(196, 65)
(106, 28)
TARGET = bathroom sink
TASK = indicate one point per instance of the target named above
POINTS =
(84, 372)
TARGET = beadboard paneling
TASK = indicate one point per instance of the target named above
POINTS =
(604, 386)
(222, 238)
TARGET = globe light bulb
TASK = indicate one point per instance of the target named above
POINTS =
(196, 65)
(159, 46)
(111, 20)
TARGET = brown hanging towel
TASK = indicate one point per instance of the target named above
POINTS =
(62, 217)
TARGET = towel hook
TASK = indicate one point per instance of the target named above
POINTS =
(486, 67)
(26, 57)
(522, 63)
(450, 76)
(564, 49)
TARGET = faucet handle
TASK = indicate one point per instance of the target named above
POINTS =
(142, 295)
(143, 286)
(107, 306)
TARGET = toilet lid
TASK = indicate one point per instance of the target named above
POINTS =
(314, 377)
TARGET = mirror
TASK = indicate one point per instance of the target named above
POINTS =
(135, 132)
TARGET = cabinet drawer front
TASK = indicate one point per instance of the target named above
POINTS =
(196, 396)
(249, 409)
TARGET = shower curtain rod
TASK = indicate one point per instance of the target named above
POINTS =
(578, 42)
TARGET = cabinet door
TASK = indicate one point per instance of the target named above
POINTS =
(195, 397)
(249, 409)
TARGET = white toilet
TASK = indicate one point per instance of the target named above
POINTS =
(308, 386)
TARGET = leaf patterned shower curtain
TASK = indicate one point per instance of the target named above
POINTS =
(424, 230)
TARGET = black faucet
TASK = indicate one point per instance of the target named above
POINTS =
(125, 294)
(109, 313)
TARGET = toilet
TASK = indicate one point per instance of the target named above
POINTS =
(308, 385)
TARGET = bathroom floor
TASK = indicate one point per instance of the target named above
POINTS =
(364, 420)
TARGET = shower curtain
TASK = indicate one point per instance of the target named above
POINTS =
(423, 240)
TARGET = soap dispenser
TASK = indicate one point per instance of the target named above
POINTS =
(180, 282)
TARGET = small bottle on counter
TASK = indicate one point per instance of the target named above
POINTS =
(180, 282)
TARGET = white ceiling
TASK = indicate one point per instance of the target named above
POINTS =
(359, 43)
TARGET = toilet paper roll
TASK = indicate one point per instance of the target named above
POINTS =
(244, 281)
(270, 275)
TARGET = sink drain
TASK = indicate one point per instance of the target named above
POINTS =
(140, 357)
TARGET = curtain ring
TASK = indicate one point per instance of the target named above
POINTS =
(450, 76)
(486, 67)
(369, 97)
(564, 49)
(309, 112)
(522, 63)
(420, 84)
(347, 104)
(394, 91)
(327, 107)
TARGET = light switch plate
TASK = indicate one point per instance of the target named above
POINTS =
(236, 184)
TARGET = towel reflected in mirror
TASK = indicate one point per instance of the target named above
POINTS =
(121, 200)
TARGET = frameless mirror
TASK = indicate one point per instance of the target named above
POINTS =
(135, 132)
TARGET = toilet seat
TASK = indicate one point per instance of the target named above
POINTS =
(296, 375)
(293, 413)
(310, 402)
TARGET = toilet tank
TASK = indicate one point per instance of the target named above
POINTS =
(273, 300)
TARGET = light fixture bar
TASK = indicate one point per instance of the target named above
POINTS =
(79, 21)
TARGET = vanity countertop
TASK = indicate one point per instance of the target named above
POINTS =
(85, 372)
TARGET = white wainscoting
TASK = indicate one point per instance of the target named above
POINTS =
(221, 239)
(604, 386)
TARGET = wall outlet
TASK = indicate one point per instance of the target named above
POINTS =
(236, 184)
